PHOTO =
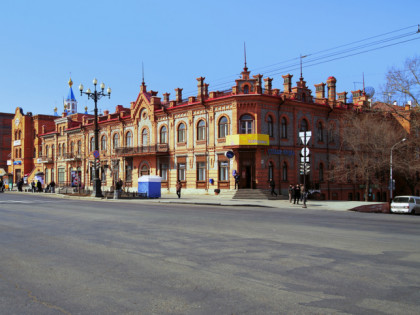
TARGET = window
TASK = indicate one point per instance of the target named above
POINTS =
(61, 174)
(92, 144)
(246, 124)
(320, 132)
(144, 170)
(129, 170)
(270, 171)
(103, 143)
(223, 127)
(64, 148)
(46, 150)
(72, 147)
(164, 171)
(321, 172)
(128, 139)
(284, 128)
(181, 133)
(223, 170)
(53, 151)
(40, 152)
(270, 126)
(52, 175)
(79, 148)
(115, 141)
(201, 130)
(144, 137)
(304, 125)
(59, 149)
(181, 171)
(163, 135)
(246, 89)
(201, 171)
(34, 152)
(284, 171)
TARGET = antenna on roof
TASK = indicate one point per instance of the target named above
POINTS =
(364, 84)
(142, 72)
(245, 68)
(301, 57)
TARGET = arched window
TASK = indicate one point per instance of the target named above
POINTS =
(246, 89)
(46, 150)
(181, 133)
(92, 144)
(321, 172)
(304, 125)
(284, 171)
(72, 147)
(320, 132)
(20, 153)
(115, 140)
(144, 170)
(270, 126)
(103, 143)
(270, 171)
(128, 139)
(79, 148)
(59, 149)
(20, 134)
(144, 137)
(53, 151)
(201, 130)
(163, 135)
(284, 128)
(246, 124)
(64, 148)
(223, 127)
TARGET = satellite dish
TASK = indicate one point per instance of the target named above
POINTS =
(370, 91)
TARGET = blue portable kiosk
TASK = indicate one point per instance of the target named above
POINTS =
(150, 185)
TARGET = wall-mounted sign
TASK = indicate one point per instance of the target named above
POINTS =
(9, 162)
(229, 154)
(17, 162)
(248, 139)
(17, 142)
(281, 152)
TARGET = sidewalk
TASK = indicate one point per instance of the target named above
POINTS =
(226, 200)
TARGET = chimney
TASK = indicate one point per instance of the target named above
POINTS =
(200, 86)
(166, 98)
(106, 112)
(178, 95)
(268, 85)
(407, 107)
(287, 84)
(331, 88)
(320, 90)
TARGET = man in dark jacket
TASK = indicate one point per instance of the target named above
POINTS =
(297, 195)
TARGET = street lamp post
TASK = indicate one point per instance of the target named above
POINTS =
(391, 188)
(96, 95)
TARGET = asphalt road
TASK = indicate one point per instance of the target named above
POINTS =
(61, 256)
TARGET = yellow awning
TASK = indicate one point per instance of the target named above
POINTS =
(248, 139)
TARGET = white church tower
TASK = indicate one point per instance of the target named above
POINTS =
(70, 104)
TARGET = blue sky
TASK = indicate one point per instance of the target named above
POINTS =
(42, 42)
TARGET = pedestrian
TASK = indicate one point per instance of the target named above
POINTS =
(33, 186)
(20, 184)
(237, 178)
(178, 188)
(297, 194)
(273, 187)
(1, 185)
(302, 190)
(305, 197)
(291, 193)
(39, 186)
(52, 186)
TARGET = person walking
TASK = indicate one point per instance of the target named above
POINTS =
(1, 185)
(297, 195)
(33, 186)
(291, 193)
(302, 190)
(178, 188)
(39, 186)
(273, 187)
(52, 186)
(237, 177)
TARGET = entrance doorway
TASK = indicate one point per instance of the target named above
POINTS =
(247, 169)
(18, 175)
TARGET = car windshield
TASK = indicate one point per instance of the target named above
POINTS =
(400, 200)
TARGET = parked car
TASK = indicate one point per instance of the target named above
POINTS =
(406, 204)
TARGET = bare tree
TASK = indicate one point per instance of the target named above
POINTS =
(366, 141)
(403, 84)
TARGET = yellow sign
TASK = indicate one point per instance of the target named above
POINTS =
(248, 139)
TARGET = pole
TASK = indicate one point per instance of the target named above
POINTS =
(390, 177)
(97, 192)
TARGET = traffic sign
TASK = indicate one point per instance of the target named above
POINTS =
(96, 154)
(305, 136)
(304, 152)
(304, 159)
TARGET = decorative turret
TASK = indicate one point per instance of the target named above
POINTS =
(70, 103)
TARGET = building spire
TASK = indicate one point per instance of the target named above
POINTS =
(142, 73)
(245, 68)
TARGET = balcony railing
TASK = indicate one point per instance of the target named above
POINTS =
(71, 157)
(158, 148)
(46, 159)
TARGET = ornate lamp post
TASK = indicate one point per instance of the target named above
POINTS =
(96, 95)
(391, 188)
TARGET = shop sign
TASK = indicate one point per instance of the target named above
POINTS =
(9, 162)
(248, 139)
(17, 162)
(281, 152)
(17, 142)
